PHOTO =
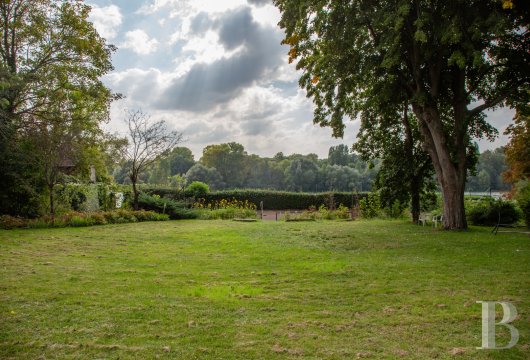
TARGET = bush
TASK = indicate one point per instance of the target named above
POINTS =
(225, 209)
(395, 210)
(370, 206)
(176, 210)
(197, 189)
(522, 196)
(486, 212)
(8, 222)
(225, 214)
(78, 219)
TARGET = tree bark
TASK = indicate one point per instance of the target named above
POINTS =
(135, 195)
(451, 176)
(415, 199)
(134, 179)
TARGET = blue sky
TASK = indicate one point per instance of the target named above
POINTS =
(215, 70)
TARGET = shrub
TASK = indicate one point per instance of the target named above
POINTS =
(342, 212)
(224, 204)
(78, 221)
(225, 214)
(486, 212)
(370, 206)
(522, 196)
(8, 222)
(226, 209)
(176, 210)
(197, 189)
(395, 210)
(98, 218)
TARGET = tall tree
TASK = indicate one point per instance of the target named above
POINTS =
(50, 57)
(340, 155)
(450, 60)
(229, 160)
(180, 160)
(208, 175)
(392, 135)
(46, 44)
(301, 174)
(149, 141)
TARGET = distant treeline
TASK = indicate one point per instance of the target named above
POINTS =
(228, 166)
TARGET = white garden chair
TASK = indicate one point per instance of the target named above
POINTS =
(437, 219)
(423, 219)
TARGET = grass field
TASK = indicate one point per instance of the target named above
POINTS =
(229, 290)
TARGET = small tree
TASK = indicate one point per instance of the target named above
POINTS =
(148, 142)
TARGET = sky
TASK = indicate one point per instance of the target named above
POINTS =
(216, 71)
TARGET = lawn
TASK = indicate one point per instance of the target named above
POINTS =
(229, 290)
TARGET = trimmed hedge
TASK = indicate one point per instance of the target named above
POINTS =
(272, 200)
(281, 200)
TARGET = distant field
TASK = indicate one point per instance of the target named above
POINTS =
(265, 290)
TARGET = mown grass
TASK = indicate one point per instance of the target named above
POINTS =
(231, 290)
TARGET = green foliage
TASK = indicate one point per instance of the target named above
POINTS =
(370, 206)
(448, 64)
(87, 197)
(22, 185)
(79, 219)
(228, 159)
(488, 173)
(395, 210)
(323, 213)
(227, 213)
(486, 212)
(522, 195)
(281, 200)
(225, 204)
(52, 99)
(175, 210)
(208, 175)
(197, 189)
(8, 222)
(225, 209)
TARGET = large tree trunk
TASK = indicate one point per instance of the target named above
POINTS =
(415, 199)
(454, 211)
(451, 176)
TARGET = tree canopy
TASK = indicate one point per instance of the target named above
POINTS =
(449, 60)
(52, 99)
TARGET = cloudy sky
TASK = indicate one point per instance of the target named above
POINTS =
(215, 70)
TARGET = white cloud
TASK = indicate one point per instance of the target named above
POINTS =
(139, 42)
(266, 15)
(106, 19)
